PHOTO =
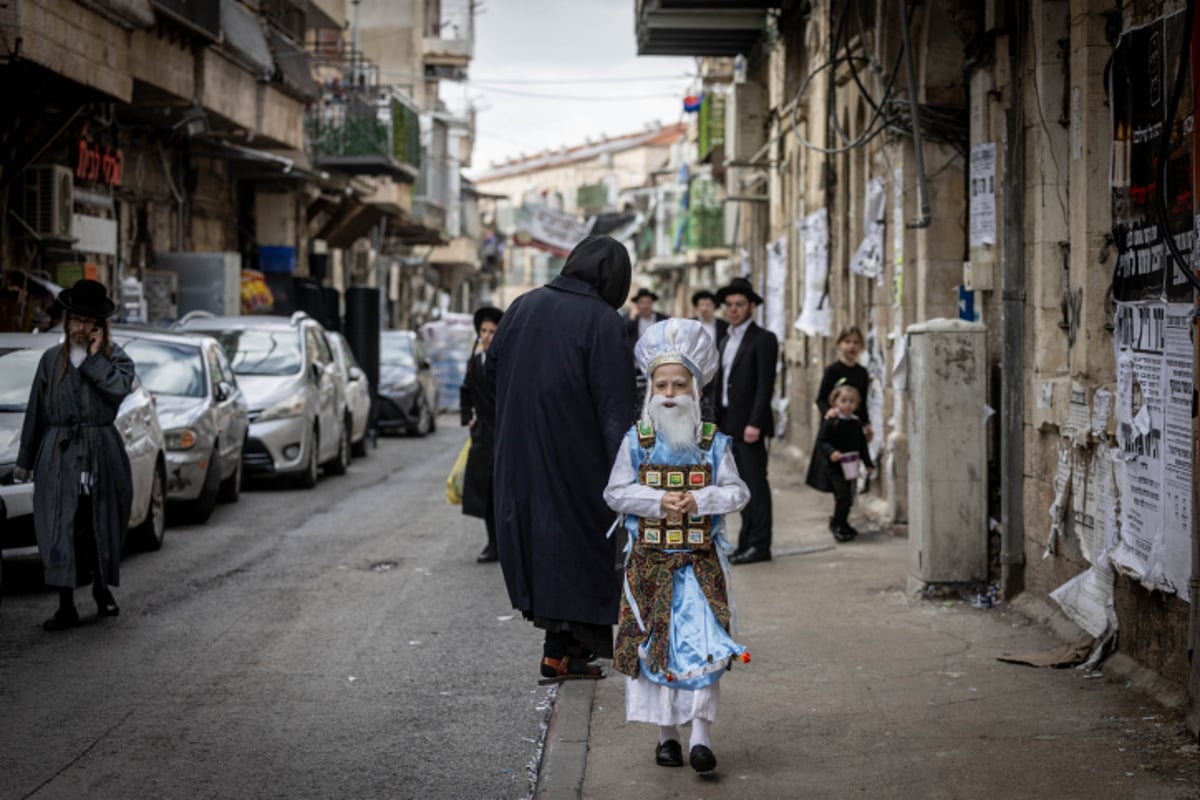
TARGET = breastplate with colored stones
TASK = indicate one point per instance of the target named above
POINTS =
(676, 531)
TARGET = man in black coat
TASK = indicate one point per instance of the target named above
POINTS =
(564, 400)
(644, 316)
(477, 406)
(704, 303)
(744, 386)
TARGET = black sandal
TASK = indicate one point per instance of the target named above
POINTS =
(557, 670)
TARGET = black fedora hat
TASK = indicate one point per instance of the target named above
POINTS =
(703, 294)
(644, 292)
(739, 286)
(87, 298)
(487, 314)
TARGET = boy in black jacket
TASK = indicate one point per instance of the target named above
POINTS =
(841, 439)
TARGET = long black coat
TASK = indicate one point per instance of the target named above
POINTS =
(564, 400)
(841, 435)
(751, 384)
(478, 404)
(69, 429)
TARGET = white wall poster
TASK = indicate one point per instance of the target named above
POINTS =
(983, 194)
(816, 318)
(868, 258)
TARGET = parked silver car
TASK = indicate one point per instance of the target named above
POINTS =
(136, 422)
(285, 368)
(201, 410)
(358, 392)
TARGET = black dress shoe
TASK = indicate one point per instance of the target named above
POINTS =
(62, 620)
(702, 759)
(751, 555)
(488, 555)
(106, 605)
(668, 754)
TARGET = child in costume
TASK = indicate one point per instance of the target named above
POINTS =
(841, 439)
(674, 481)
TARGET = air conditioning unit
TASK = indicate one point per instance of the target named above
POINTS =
(745, 122)
(47, 200)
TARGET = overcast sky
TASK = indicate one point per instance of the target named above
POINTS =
(522, 45)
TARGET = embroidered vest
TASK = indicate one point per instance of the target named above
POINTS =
(675, 531)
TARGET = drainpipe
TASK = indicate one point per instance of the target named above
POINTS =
(1012, 437)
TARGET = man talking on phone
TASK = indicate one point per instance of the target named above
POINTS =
(83, 488)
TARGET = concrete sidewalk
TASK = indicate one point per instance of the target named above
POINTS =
(858, 690)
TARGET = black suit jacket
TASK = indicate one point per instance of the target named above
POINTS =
(722, 329)
(751, 384)
(631, 328)
(708, 398)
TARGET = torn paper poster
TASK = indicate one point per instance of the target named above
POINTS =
(983, 194)
(898, 228)
(876, 369)
(1079, 421)
(776, 288)
(816, 316)
(1092, 494)
(1062, 495)
(1153, 407)
(1087, 599)
(1101, 409)
(868, 258)
(900, 362)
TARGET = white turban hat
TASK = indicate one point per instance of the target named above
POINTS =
(678, 341)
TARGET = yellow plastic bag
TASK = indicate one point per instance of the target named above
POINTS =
(454, 482)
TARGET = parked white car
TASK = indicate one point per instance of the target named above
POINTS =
(136, 421)
(298, 417)
(201, 410)
(358, 392)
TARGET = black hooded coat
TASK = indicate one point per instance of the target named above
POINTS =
(564, 400)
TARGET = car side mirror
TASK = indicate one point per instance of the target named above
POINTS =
(355, 374)
(224, 391)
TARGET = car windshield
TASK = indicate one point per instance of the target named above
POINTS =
(167, 368)
(262, 352)
(17, 368)
(396, 351)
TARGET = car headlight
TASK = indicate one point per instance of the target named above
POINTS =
(180, 439)
(292, 406)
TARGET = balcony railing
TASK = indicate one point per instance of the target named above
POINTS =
(699, 27)
(380, 138)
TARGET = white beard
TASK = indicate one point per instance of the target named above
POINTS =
(678, 426)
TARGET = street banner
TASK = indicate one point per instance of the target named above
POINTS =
(1144, 67)
(552, 231)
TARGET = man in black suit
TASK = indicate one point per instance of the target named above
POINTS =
(704, 303)
(643, 317)
(744, 386)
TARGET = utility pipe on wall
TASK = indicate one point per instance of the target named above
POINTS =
(1012, 436)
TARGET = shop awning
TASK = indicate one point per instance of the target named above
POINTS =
(355, 222)
(245, 39)
(295, 67)
(129, 14)
(254, 164)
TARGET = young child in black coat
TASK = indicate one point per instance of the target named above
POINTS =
(841, 439)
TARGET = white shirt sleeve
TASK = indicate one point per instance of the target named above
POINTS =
(730, 493)
(626, 496)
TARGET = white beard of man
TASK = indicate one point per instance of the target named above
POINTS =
(679, 425)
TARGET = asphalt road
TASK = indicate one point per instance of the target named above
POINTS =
(333, 643)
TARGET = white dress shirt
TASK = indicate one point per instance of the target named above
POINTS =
(733, 340)
(711, 329)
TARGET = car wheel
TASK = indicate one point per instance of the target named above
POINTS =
(425, 422)
(308, 478)
(231, 487)
(341, 461)
(151, 532)
(202, 507)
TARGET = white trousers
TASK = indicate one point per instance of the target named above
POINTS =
(646, 701)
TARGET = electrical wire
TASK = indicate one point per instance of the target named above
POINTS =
(589, 98)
